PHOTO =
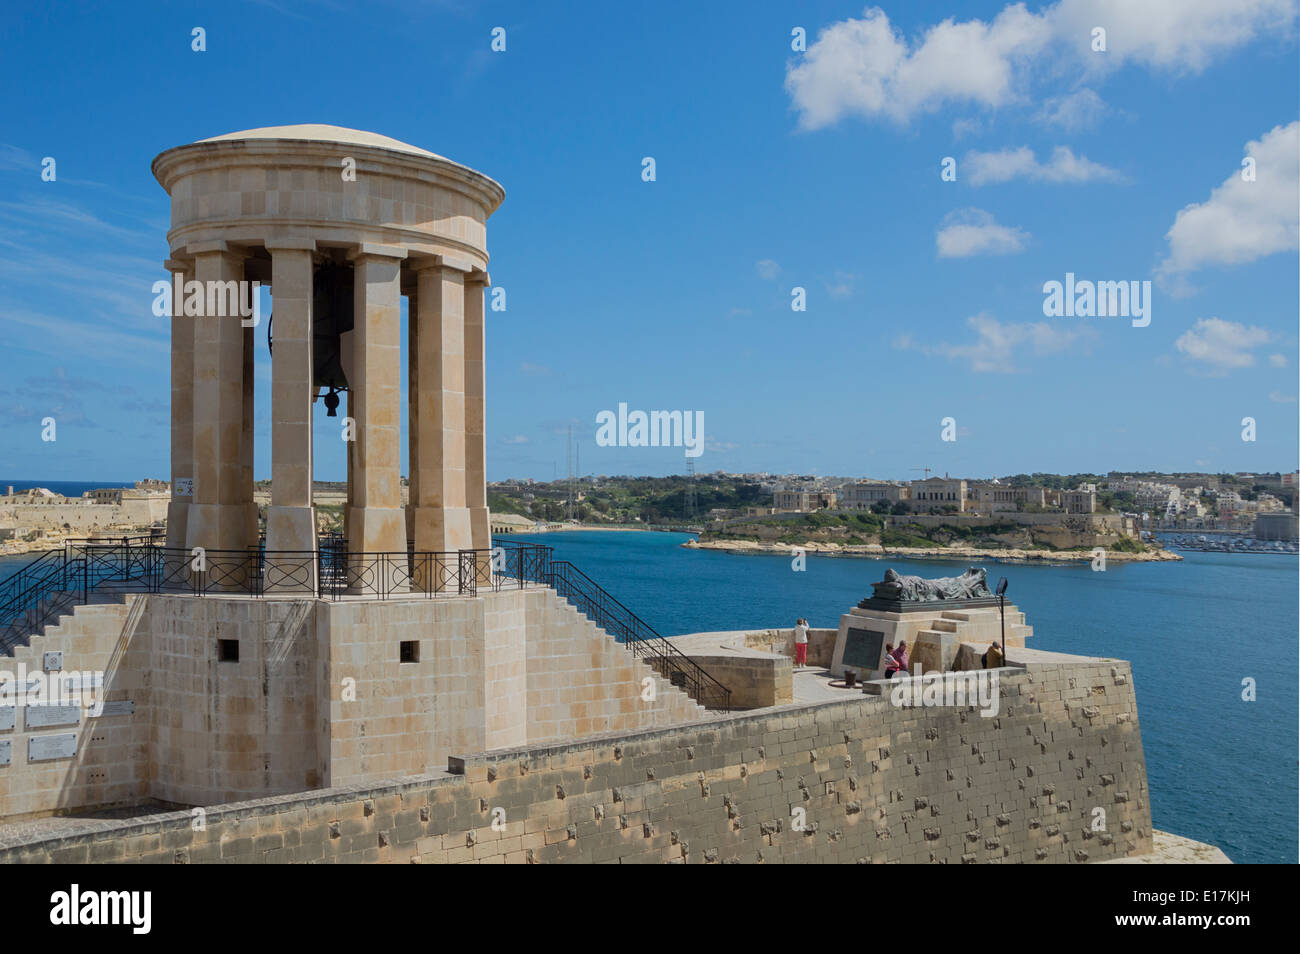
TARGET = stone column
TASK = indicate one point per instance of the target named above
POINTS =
(480, 523)
(377, 523)
(218, 517)
(251, 522)
(441, 515)
(412, 409)
(291, 518)
(182, 430)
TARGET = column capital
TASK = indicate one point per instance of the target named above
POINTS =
(290, 244)
(447, 262)
(364, 250)
(194, 249)
(178, 264)
(478, 276)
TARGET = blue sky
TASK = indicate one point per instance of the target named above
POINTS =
(775, 168)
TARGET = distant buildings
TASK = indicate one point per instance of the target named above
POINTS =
(864, 494)
(803, 501)
(1083, 500)
(996, 497)
(940, 492)
(1276, 526)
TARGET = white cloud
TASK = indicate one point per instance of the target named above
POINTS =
(1221, 346)
(1277, 397)
(1073, 112)
(968, 232)
(1243, 221)
(1277, 360)
(997, 345)
(1180, 36)
(767, 269)
(517, 439)
(987, 168)
(864, 67)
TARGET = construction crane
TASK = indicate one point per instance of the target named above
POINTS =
(926, 469)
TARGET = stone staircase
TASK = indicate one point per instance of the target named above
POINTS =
(611, 647)
(63, 613)
(981, 626)
(938, 645)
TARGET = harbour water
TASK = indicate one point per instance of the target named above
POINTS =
(1221, 770)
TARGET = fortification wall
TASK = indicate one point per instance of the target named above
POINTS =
(875, 783)
(84, 517)
(316, 694)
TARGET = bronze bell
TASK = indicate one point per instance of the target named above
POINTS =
(331, 318)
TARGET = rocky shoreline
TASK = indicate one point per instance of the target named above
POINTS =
(876, 551)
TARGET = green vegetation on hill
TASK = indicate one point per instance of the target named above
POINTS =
(623, 500)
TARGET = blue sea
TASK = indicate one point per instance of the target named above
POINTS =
(1221, 770)
(68, 488)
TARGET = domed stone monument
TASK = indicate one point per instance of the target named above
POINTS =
(340, 223)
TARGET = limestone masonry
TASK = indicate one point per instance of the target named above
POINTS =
(875, 783)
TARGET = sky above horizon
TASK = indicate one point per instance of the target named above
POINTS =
(776, 169)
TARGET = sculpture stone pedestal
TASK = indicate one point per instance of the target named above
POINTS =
(934, 632)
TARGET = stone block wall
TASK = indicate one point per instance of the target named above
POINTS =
(582, 682)
(821, 643)
(227, 730)
(111, 764)
(319, 695)
(854, 781)
(755, 681)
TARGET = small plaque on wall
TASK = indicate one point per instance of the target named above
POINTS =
(40, 717)
(7, 716)
(121, 707)
(6, 752)
(862, 648)
(42, 748)
(184, 487)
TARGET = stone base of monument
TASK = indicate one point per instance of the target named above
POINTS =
(934, 633)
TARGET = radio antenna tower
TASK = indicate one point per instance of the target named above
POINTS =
(690, 490)
(568, 501)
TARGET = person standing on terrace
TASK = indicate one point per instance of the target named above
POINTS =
(801, 642)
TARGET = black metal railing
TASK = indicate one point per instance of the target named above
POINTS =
(68, 576)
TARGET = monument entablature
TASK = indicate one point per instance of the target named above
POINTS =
(332, 185)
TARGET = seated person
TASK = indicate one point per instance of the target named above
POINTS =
(891, 664)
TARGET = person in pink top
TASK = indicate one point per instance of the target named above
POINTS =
(900, 657)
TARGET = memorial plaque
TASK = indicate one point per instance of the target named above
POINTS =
(184, 487)
(123, 707)
(39, 717)
(53, 661)
(42, 748)
(7, 716)
(862, 648)
(6, 750)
